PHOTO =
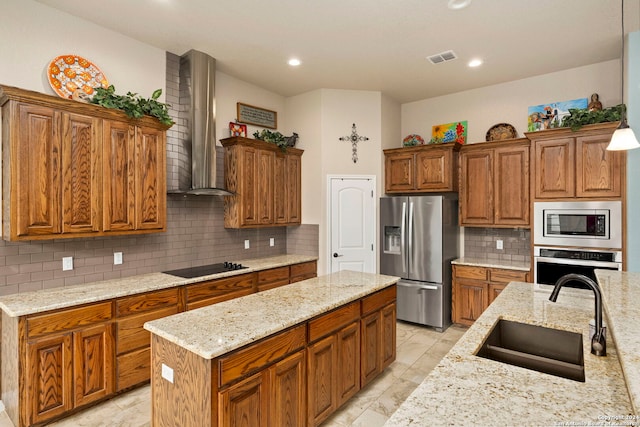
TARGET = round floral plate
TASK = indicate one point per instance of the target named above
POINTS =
(501, 131)
(70, 73)
(411, 140)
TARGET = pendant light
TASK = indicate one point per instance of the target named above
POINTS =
(623, 138)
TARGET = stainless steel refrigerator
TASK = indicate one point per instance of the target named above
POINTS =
(420, 237)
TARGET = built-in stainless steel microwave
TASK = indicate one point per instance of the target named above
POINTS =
(585, 224)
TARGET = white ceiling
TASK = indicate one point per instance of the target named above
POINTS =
(378, 45)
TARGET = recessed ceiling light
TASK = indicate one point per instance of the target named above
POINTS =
(458, 4)
(475, 63)
(294, 62)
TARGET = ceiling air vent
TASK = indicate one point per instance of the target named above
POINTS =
(449, 55)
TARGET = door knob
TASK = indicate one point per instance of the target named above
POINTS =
(335, 255)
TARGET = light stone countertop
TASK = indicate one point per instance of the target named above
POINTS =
(220, 328)
(50, 299)
(466, 390)
(493, 263)
(621, 298)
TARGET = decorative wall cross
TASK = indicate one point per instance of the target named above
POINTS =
(354, 138)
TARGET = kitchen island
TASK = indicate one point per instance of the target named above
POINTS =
(291, 354)
(465, 389)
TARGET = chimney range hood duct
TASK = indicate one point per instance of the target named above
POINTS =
(197, 73)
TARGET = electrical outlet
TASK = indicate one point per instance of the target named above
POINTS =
(167, 373)
(117, 258)
(499, 244)
(246, 244)
(272, 241)
(67, 263)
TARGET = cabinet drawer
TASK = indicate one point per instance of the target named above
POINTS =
(261, 354)
(146, 302)
(133, 368)
(333, 321)
(224, 297)
(303, 271)
(64, 320)
(507, 276)
(273, 275)
(379, 299)
(467, 272)
(214, 288)
(132, 335)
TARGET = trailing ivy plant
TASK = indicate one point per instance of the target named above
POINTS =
(579, 117)
(272, 137)
(133, 105)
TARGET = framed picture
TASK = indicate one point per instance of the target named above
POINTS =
(450, 132)
(257, 116)
(548, 116)
(237, 129)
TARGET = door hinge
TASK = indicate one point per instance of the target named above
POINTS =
(372, 247)
(371, 193)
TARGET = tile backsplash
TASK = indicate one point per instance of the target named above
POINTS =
(481, 243)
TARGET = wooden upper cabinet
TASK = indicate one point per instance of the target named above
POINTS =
(267, 183)
(78, 170)
(569, 164)
(494, 184)
(422, 169)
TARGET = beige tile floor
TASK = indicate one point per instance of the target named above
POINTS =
(419, 350)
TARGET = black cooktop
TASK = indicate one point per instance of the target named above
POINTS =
(205, 270)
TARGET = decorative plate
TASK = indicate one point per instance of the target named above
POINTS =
(501, 131)
(70, 73)
(411, 140)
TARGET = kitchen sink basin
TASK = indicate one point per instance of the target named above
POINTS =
(541, 349)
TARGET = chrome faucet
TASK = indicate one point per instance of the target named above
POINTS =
(598, 342)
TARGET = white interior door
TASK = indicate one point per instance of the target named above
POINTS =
(352, 224)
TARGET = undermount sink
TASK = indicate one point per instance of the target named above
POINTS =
(541, 349)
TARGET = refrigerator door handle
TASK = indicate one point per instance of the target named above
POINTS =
(428, 288)
(402, 237)
(419, 286)
(410, 237)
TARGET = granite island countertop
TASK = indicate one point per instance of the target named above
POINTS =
(26, 303)
(465, 390)
(493, 263)
(220, 328)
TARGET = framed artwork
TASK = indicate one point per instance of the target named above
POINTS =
(549, 116)
(256, 116)
(449, 132)
(237, 129)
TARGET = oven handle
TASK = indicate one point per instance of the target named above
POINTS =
(578, 262)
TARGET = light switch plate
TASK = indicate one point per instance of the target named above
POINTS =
(117, 258)
(499, 244)
(167, 373)
(272, 241)
(67, 263)
(246, 244)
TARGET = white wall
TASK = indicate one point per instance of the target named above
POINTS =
(508, 102)
(32, 34)
(633, 157)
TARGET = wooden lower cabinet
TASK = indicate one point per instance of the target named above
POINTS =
(246, 403)
(475, 288)
(288, 405)
(303, 271)
(323, 377)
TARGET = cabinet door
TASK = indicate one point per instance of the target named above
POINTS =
(287, 398)
(293, 178)
(476, 195)
(399, 172)
(264, 189)
(494, 290)
(280, 191)
(434, 170)
(555, 168)
(348, 381)
(598, 171)
(37, 156)
(511, 187)
(322, 368)
(150, 179)
(247, 186)
(118, 144)
(370, 360)
(471, 299)
(93, 361)
(246, 403)
(50, 378)
(388, 338)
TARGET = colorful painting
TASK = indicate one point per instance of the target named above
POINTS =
(450, 132)
(237, 129)
(549, 116)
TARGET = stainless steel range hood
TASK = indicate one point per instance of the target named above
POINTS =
(197, 93)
